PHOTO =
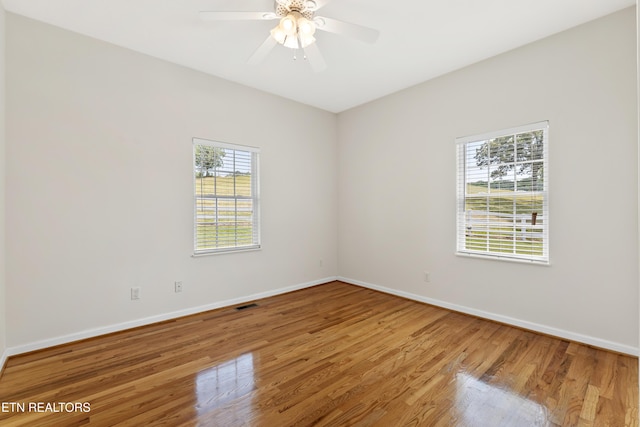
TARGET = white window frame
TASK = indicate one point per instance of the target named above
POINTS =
(215, 247)
(523, 229)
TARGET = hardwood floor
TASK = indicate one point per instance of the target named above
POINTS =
(332, 355)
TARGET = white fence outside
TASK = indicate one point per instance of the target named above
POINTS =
(523, 226)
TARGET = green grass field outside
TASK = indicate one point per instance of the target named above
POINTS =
(226, 220)
(495, 229)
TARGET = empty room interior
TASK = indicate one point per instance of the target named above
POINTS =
(428, 217)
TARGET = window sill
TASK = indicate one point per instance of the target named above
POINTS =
(226, 251)
(503, 258)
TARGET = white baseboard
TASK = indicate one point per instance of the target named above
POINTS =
(90, 333)
(548, 330)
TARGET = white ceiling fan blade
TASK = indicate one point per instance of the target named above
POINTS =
(261, 52)
(315, 58)
(316, 4)
(237, 16)
(358, 32)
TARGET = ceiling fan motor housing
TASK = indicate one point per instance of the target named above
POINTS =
(303, 7)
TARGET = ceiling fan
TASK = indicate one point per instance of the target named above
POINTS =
(297, 25)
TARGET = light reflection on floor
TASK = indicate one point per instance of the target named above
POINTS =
(225, 383)
(223, 394)
(479, 403)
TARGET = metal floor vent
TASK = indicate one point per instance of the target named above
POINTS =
(244, 307)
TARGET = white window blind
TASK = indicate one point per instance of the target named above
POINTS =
(503, 205)
(226, 197)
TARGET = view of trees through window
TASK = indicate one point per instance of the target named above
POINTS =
(505, 195)
(224, 198)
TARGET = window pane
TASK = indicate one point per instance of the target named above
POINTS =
(530, 146)
(225, 202)
(530, 176)
(504, 195)
(477, 179)
(501, 179)
(501, 150)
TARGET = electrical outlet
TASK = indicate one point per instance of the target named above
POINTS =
(427, 276)
(135, 293)
(178, 286)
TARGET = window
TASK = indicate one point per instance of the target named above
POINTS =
(226, 197)
(503, 208)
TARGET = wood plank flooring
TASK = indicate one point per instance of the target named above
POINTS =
(332, 355)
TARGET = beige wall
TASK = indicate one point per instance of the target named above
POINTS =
(99, 187)
(3, 341)
(397, 195)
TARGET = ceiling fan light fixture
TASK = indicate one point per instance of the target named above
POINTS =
(291, 43)
(278, 35)
(306, 27)
(294, 31)
(289, 25)
(306, 41)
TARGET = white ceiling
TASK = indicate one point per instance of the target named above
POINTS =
(419, 39)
